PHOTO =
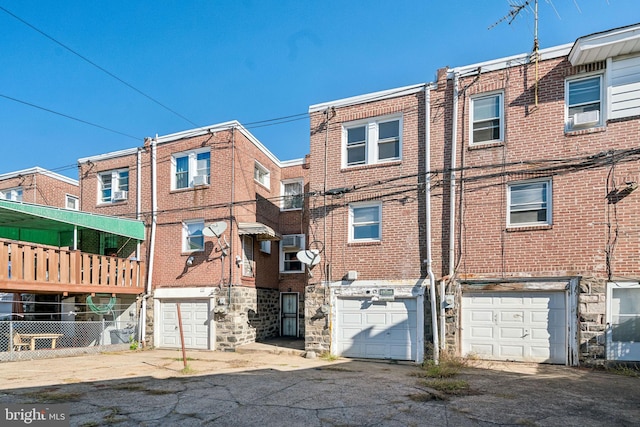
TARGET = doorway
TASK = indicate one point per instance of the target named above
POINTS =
(289, 314)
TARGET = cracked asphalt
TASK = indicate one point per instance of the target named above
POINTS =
(151, 388)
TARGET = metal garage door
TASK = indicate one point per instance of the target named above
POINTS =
(377, 330)
(518, 326)
(195, 324)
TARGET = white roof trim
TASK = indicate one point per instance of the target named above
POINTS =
(600, 46)
(293, 162)
(111, 155)
(510, 61)
(369, 97)
(41, 171)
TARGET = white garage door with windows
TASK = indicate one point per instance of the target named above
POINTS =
(515, 326)
(376, 329)
(195, 324)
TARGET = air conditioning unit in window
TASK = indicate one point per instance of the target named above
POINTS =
(291, 242)
(120, 195)
(201, 180)
(586, 118)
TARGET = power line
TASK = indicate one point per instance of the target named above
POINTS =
(67, 116)
(84, 58)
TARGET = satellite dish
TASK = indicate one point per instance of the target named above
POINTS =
(309, 257)
(214, 229)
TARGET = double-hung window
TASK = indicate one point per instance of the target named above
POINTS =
(113, 186)
(372, 141)
(365, 222)
(14, 194)
(261, 174)
(487, 118)
(292, 194)
(584, 102)
(529, 203)
(247, 256)
(290, 245)
(71, 202)
(192, 236)
(191, 169)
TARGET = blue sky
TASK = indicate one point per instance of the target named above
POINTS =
(246, 60)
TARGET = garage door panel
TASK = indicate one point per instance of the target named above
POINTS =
(489, 323)
(380, 330)
(195, 324)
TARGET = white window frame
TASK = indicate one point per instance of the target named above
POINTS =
(372, 141)
(353, 224)
(285, 198)
(284, 251)
(265, 246)
(500, 117)
(261, 174)
(75, 199)
(568, 118)
(193, 168)
(15, 194)
(116, 184)
(190, 230)
(547, 205)
(248, 259)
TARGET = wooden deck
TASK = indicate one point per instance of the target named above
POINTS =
(27, 267)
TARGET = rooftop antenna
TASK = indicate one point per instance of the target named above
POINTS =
(216, 230)
(516, 8)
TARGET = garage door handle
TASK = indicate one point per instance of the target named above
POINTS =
(525, 334)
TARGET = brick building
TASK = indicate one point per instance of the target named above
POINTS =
(521, 210)
(225, 221)
(40, 186)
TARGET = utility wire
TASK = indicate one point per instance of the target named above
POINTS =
(84, 58)
(67, 116)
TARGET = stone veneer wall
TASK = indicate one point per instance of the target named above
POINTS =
(592, 309)
(253, 315)
(317, 336)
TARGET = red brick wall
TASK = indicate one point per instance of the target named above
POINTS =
(42, 189)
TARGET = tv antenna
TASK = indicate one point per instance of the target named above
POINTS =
(516, 8)
(216, 229)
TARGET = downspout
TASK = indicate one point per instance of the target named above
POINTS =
(452, 188)
(138, 194)
(232, 219)
(152, 238)
(427, 167)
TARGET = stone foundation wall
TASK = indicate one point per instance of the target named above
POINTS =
(317, 336)
(592, 309)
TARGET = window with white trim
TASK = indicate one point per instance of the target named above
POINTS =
(192, 236)
(373, 141)
(71, 202)
(248, 263)
(290, 245)
(487, 118)
(261, 174)
(113, 186)
(529, 203)
(265, 246)
(365, 222)
(14, 194)
(584, 101)
(292, 194)
(190, 169)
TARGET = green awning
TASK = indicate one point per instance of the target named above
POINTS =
(18, 218)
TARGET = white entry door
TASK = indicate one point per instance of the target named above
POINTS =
(515, 326)
(195, 324)
(623, 321)
(377, 330)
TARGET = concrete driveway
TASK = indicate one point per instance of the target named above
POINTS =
(150, 388)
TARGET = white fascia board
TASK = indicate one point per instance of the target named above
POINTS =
(170, 293)
(41, 171)
(216, 128)
(510, 61)
(595, 47)
(293, 162)
(107, 156)
(369, 97)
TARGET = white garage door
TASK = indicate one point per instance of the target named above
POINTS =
(518, 326)
(377, 330)
(195, 324)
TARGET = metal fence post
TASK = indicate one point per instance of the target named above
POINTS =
(11, 338)
(102, 333)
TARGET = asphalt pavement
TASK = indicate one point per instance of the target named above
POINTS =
(278, 387)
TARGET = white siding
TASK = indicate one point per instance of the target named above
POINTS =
(625, 87)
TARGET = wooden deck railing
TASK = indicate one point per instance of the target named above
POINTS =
(28, 267)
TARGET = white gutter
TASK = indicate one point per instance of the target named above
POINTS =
(432, 280)
(152, 238)
(452, 195)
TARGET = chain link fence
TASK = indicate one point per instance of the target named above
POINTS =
(43, 339)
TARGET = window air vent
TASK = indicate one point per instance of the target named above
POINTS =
(120, 195)
(291, 242)
(201, 180)
(586, 118)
